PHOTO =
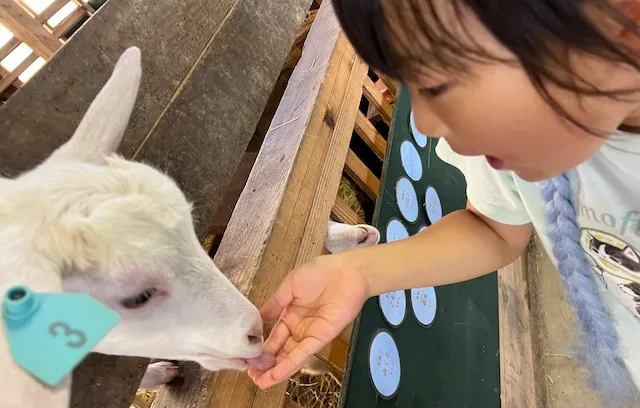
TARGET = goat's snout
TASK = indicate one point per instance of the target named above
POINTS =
(255, 335)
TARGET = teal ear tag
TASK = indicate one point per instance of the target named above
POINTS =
(49, 334)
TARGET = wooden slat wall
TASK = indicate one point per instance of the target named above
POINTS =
(280, 218)
(205, 83)
(34, 31)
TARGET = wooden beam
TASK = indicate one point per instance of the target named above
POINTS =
(373, 94)
(51, 10)
(239, 180)
(280, 219)
(204, 85)
(517, 364)
(370, 135)
(65, 25)
(10, 78)
(392, 86)
(296, 49)
(335, 355)
(8, 47)
(341, 212)
(85, 6)
(361, 174)
(27, 29)
(3, 73)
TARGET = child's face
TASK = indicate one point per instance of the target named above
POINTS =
(496, 112)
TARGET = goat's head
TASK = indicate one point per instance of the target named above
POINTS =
(88, 221)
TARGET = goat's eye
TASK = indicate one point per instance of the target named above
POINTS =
(140, 299)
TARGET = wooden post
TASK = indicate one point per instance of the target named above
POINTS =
(280, 219)
(517, 378)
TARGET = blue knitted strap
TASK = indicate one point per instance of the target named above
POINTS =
(601, 353)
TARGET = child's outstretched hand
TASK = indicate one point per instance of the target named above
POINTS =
(315, 303)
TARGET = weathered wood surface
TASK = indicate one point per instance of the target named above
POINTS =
(341, 212)
(335, 355)
(370, 135)
(517, 358)
(28, 29)
(208, 69)
(362, 175)
(280, 219)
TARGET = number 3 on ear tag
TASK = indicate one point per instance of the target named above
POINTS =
(49, 334)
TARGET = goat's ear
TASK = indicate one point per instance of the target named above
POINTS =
(103, 126)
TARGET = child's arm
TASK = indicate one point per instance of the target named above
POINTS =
(461, 246)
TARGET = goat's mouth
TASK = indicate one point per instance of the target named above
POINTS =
(263, 362)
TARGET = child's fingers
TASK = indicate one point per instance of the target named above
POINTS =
(291, 364)
(278, 337)
(273, 308)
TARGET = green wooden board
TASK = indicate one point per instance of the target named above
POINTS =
(455, 362)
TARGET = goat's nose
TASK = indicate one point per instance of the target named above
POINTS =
(255, 334)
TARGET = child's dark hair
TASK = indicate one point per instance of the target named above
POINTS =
(407, 35)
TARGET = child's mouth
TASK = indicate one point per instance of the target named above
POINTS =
(495, 162)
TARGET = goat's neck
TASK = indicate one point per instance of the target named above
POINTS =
(21, 264)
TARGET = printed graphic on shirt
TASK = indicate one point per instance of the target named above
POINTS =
(617, 263)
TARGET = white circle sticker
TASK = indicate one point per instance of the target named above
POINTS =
(420, 139)
(433, 205)
(384, 364)
(396, 231)
(424, 227)
(411, 160)
(406, 199)
(393, 306)
(424, 304)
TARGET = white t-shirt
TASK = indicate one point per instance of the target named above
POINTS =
(609, 218)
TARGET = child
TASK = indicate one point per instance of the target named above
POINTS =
(537, 103)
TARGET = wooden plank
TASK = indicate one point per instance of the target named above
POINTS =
(296, 49)
(8, 47)
(205, 82)
(517, 378)
(222, 217)
(280, 218)
(373, 94)
(341, 212)
(370, 135)
(335, 355)
(27, 29)
(373, 115)
(65, 25)
(361, 174)
(51, 10)
(89, 10)
(10, 78)
(392, 86)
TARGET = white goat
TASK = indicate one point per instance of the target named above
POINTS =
(339, 237)
(86, 220)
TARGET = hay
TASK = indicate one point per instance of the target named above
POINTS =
(144, 398)
(348, 194)
(314, 391)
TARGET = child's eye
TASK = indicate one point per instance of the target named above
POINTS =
(434, 91)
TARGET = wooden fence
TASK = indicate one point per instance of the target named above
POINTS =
(31, 32)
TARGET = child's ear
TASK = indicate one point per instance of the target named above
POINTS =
(103, 126)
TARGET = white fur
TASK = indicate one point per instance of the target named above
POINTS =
(339, 237)
(88, 221)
